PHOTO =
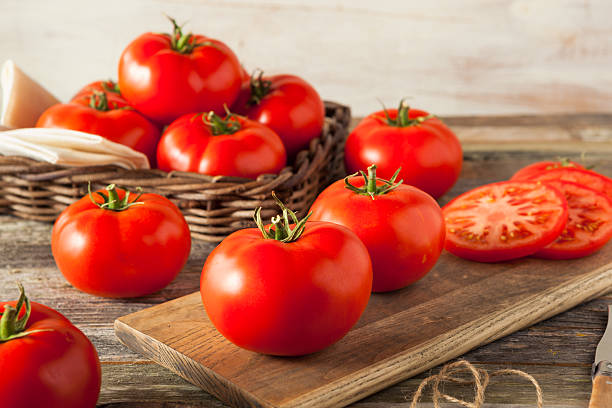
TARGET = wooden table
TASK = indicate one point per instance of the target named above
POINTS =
(558, 352)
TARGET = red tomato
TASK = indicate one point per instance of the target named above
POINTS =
(428, 152)
(208, 144)
(117, 247)
(288, 105)
(45, 361)
(505, 220)
(583, 177)
(110, 88)
(165, 76)
(589, 226)
(386, 221)
(539, 167)
(285, 291)
(116, 124)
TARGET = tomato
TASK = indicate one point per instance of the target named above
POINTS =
(108, 87)
(45, 361)
(427, 151)
(165, 76)
(288, 105)
(505, 220)
(115, 123)
(589, 226)
(114, 246)
(584, 177)
(230, 146)
(287, 291)
(539, 167)
(401, 226)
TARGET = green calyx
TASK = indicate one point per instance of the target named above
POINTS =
(112, 201)
(98, 101)
(280, 229)
(111, 86)
(259, 88)
(221, 126)
(403, 119)
(371, 187)
(11, 325)
(184, 43)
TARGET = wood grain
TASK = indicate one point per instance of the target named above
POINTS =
(449, 57)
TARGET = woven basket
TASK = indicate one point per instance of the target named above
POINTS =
(214, 207)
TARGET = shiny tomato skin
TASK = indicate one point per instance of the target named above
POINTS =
(589, 226)
(292, 108)
(189, 145)
(165, 84)
(123, 126)
(587, 178)
(287, 299)
(536, 168)
(504, 220)
(121, 254)
(429, 153)
(402, 229)
(115, 99)
(52, 369)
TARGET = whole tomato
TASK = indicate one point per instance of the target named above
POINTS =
(427, 151)
(165, 76)
(109, 245)
(116, 123)
(287, 104)
(230, 146)
(45, 361)
(108, 87)
(287, 289)
(402, 226)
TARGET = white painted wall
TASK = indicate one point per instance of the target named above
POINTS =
(449, 56)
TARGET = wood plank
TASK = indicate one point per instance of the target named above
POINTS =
(468, 57)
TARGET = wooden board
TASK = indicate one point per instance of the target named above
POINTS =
(458, 306)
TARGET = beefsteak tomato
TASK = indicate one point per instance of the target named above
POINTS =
(109, 245)
(401, 226)
(586, 178)
(166, 76)
(230, 146)
(287, 290)
(45, 361)
(504, 220)
(116, 123)
(286, 104)
(427, 151)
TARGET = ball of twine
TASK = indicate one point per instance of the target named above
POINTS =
(480, 380)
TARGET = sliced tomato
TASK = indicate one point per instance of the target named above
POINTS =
(538, 167)
(583, 177)
(589, 226)
(505, 220)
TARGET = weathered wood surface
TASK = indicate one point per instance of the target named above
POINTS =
(448, 56)
(558, 352)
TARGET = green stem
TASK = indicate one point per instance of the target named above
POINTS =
(98, 101)
(111, 86)
(112, 201)
(183, 43)
(371, 187)
(259, 87)
(220, 126)
(13, 327)
(403, 116)
(281, 230)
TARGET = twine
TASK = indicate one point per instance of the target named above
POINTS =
(480, 381)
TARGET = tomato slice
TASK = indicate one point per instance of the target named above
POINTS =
(505, 220)
(584, 177)
(589, 226)
(542, 166)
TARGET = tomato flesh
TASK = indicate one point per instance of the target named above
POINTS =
(584, 177)
(504, 220)
(589, 226)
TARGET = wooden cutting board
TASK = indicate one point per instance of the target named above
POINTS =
(458, 306)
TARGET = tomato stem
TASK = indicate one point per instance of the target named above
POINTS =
(98, 101)
(112, 201)
(280, 229)
(111, 86)
(220, 126)
(403, 119)
(13, 327)
(182, 43)
(371, 186)
(259, 88)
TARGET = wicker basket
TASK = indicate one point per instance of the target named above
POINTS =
(214, 207)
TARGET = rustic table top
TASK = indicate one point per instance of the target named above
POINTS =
(558, 352)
